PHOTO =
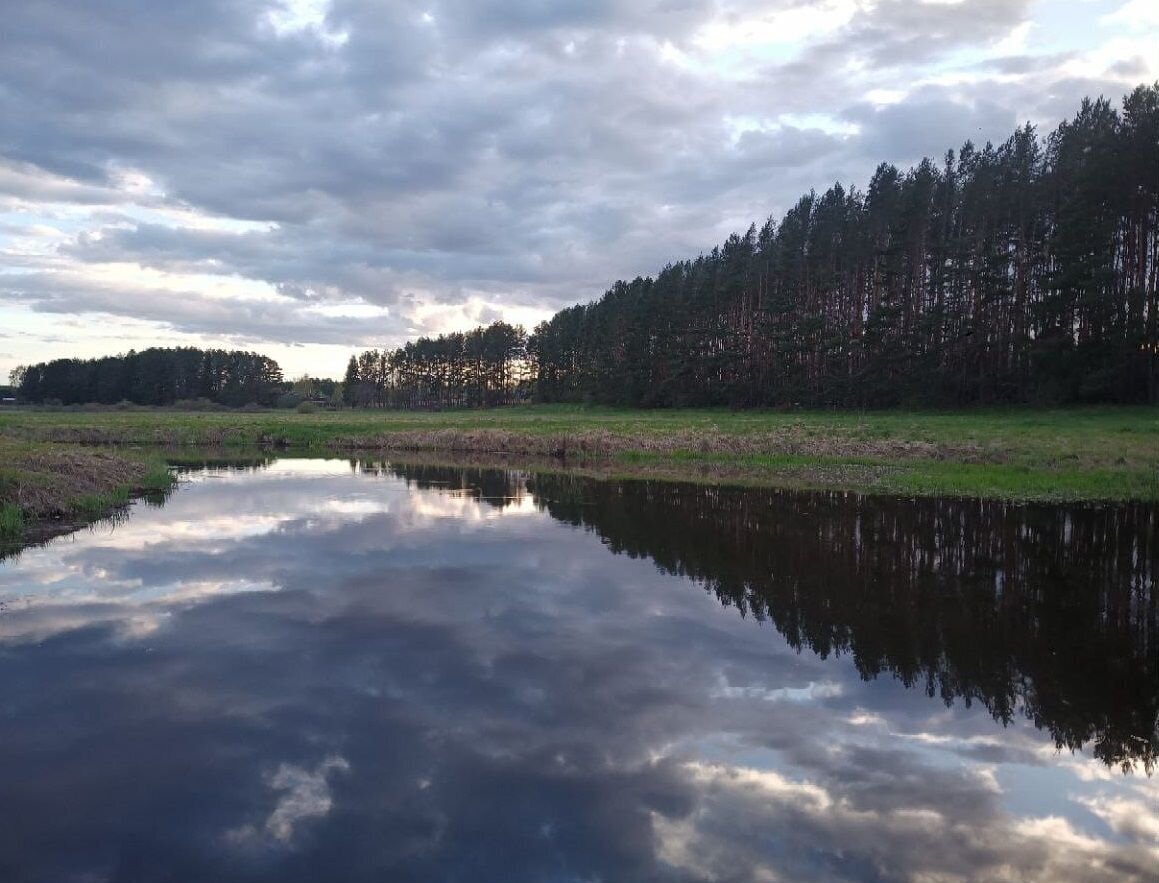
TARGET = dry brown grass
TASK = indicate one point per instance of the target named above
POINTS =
(598, 444)
(47, 481)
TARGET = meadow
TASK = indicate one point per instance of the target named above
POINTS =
(1096, 453)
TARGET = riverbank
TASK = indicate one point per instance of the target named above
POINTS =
(1018, 454)
(48, 488)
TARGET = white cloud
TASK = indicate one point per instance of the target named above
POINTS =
(290, 17)
(1016, 41)
(1136, 15)
(765, 29)
(740, 801)
(305, 795)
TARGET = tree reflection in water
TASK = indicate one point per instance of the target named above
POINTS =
(1038, 610)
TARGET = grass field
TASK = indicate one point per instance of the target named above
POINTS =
(1101, 453)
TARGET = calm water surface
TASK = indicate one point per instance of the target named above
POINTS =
(321, 671)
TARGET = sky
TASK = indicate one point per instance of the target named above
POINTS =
(310, 178)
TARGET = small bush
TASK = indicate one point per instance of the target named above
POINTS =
(11, 520)
(199, 404)
(250, 407)
(306, 408)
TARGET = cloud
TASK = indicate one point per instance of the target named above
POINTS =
(305, 795)
(750, 806)
(521, 154)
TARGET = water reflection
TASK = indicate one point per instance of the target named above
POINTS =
(1041, 610)
(41, 532)
(390, 672)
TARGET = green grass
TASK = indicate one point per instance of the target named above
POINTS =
(1096, 453)
(11, 520)
(1003, 426)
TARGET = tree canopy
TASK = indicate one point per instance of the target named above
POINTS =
(486, 366)
(153, 377)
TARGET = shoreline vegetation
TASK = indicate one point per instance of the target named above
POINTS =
(47, 489)
(58, 466)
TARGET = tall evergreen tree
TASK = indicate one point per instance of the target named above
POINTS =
(1023, 272)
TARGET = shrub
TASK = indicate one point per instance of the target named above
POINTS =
(306, 408)
(200, 404)
(11, 520)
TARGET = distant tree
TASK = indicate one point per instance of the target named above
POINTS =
(156, 377)
(483, 367)
(304, 387)
(351, 381)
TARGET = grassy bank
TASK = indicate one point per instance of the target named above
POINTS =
(46, 488)
(1088, 453)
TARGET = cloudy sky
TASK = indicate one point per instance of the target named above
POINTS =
(310, 177)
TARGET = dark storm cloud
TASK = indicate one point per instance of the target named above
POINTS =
(528, 152)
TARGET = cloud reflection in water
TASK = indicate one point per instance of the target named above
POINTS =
(318, 673)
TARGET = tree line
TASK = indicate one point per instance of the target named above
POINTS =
(155, 376)
(483, 367)
(1022, 272)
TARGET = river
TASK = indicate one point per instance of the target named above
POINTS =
(347, 670)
